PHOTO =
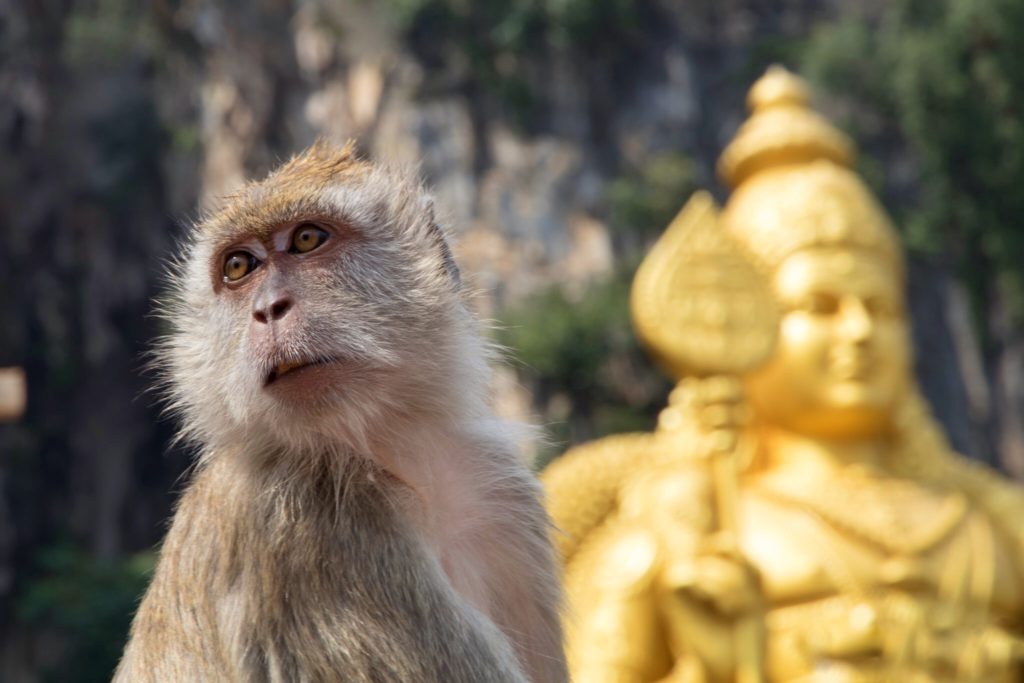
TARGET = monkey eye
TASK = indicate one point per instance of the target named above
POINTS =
(307, 237)
(238, 264)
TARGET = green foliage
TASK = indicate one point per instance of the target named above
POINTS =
(644, 200)
(518, 24)
(87, 601)
(590, 375)
(946, 77)
(186, 138)
(505, 46)
(580, 350)
(579, 23)
(568, 338)
(105, 32)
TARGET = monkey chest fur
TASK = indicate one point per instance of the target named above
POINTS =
(318, 581)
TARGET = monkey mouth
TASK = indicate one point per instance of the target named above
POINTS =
(287, 367)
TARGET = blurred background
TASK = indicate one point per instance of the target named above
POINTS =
(560, 136)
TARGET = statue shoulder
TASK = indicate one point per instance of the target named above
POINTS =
(677, 494)
(625, 477)
(926, 455)
(582, 486)
(1001, 498)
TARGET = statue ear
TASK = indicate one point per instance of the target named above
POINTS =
(448, 261)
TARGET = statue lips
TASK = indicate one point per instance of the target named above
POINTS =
(850, 365)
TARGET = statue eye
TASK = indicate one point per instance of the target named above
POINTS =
(238, 264)
(881, 307)
(820, 303)
(307, 237)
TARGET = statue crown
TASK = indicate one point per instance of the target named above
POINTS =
(793, 182)
(781, 130)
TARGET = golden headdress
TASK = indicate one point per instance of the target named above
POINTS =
(793, 183)
(794, 188)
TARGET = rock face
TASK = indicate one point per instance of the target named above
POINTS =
(119, 119)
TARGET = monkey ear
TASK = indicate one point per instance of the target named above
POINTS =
(451, 268)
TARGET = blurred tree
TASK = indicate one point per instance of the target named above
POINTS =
(88, 603)
(506, 50)
(590, 375)
(944, 79)
(85, 477)
(644, 199)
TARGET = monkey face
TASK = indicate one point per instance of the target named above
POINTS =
(319, 303)
(284, 280)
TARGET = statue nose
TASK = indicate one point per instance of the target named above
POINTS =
(856, 320)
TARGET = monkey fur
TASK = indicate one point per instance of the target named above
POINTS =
(356, 513)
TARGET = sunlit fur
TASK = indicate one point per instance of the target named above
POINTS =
(395, 493)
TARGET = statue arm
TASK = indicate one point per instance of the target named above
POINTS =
(645, 589)
(614, 632)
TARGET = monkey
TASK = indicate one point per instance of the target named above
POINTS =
(356, 511)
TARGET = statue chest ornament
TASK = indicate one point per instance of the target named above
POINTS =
(880, 579)
(885, 515)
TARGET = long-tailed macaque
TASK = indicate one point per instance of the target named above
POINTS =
(357, 513)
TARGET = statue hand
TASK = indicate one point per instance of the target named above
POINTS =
(716, 576)
(710, 592)
(712, 407)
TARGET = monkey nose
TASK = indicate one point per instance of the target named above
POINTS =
(271, 309)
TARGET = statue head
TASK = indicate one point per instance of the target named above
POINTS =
(842, 359)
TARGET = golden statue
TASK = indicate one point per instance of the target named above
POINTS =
(797, 515)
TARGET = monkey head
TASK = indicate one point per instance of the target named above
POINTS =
(318, 304)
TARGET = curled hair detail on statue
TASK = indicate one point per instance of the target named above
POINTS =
(785, 210)
(793, 183)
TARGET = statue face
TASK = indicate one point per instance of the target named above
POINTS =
(842, 359)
